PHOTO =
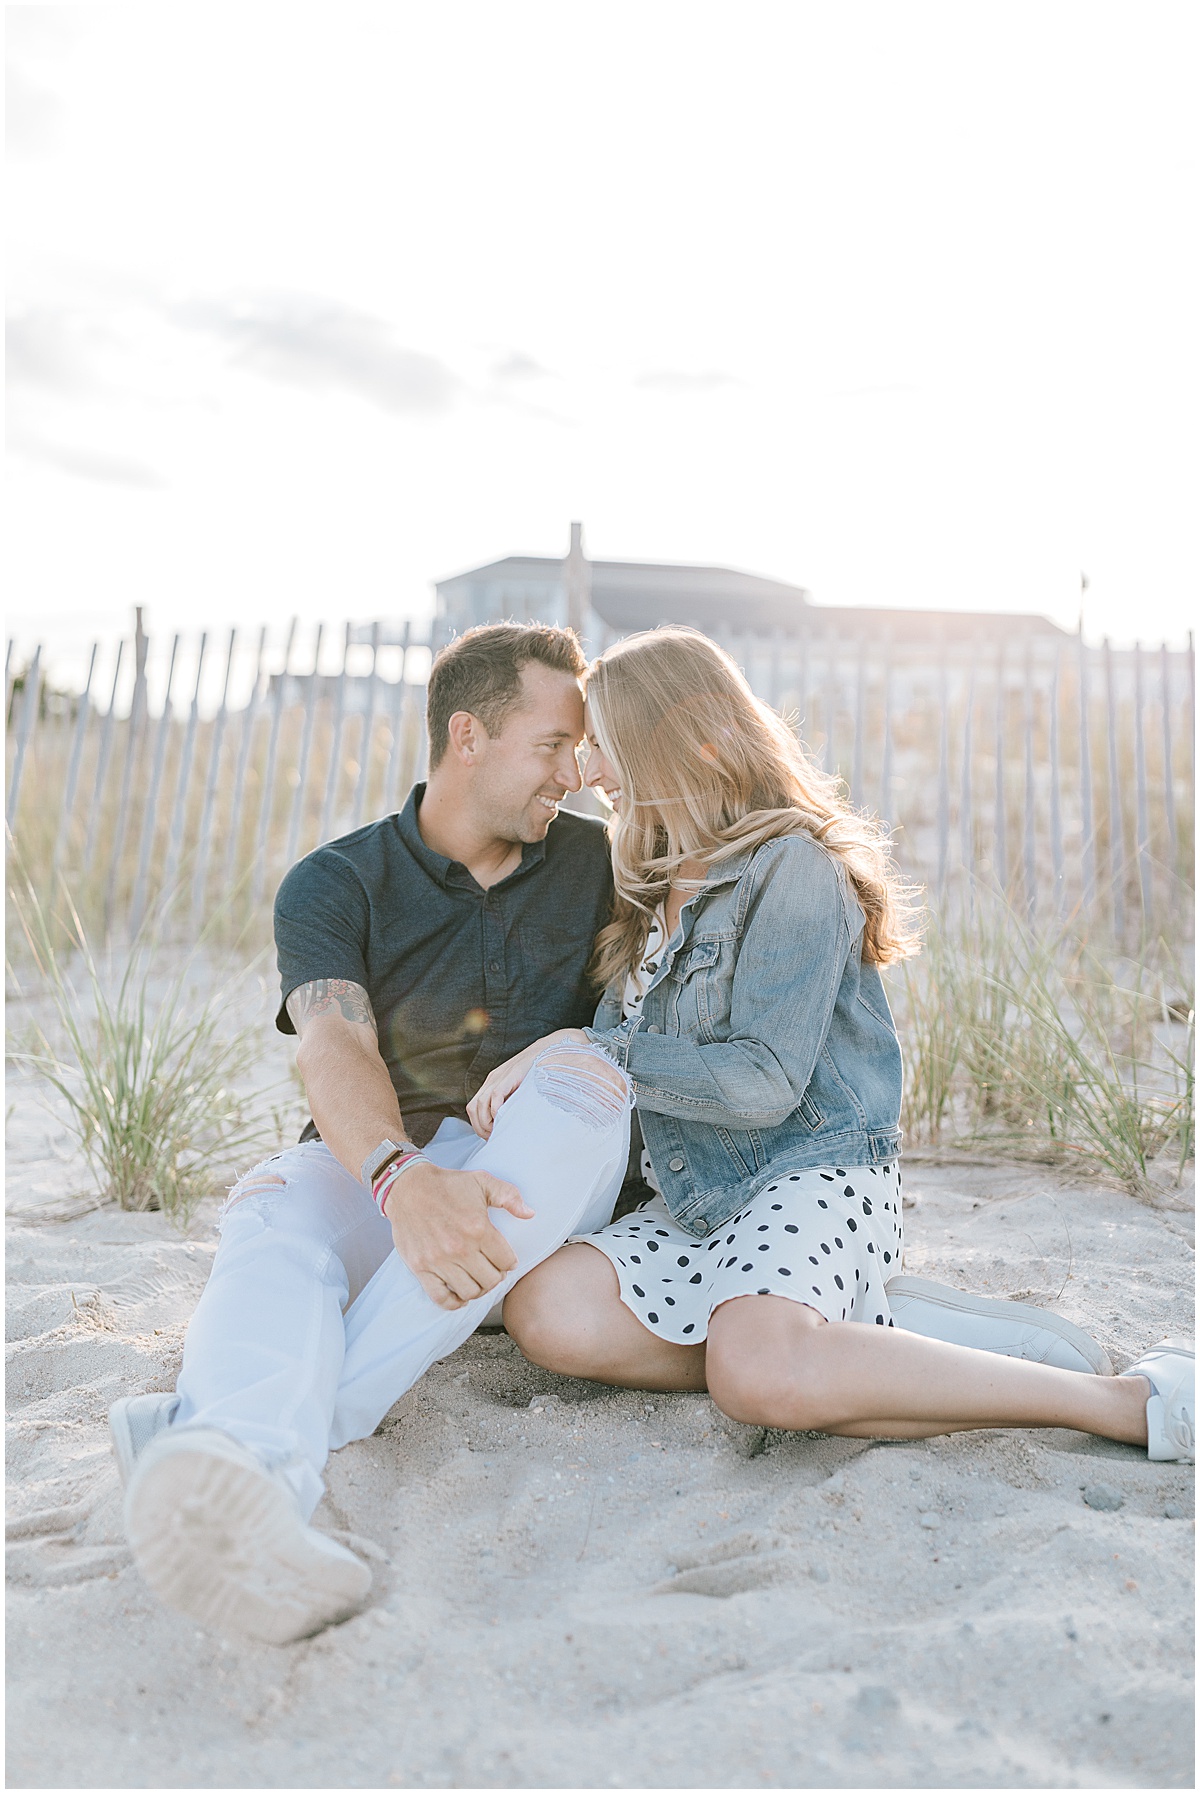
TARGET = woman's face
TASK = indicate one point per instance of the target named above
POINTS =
(598, 772)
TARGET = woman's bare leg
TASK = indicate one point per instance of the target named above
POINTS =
(769, 1361)
(773, 1362)
(567, 1315)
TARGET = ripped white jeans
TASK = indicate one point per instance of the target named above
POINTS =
(311, 1326)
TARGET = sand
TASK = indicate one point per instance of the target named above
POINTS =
(576, 1587)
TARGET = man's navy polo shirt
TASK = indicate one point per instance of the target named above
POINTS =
(459, 978)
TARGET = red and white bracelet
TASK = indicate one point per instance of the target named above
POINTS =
(381, 1185)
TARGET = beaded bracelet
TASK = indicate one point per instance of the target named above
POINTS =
(387, 1177)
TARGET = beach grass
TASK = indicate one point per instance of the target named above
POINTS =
(1048, 1042)
(153, 1057)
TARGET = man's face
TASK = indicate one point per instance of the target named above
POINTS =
(524, 772)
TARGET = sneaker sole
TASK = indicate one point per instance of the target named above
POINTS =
(221, 1541)
(959, 1302)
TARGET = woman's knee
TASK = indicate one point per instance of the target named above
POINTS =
(533, 1318)
(761, 1380)
(554, 1310)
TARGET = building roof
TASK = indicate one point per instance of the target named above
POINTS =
(950, 626)
(640, 594)
(631, 595)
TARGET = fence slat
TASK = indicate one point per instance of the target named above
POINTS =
(1057, 857)
(943, 779)
(1116, 827)
(204, 840)
(150, 814)
(249, 718)
(179, 815)
(1086, 805)
(1145, 880)
(82, 718)
(263, 836)
(1168, 764)
(333, 776)
(802, 688)
(391, 795)
(134, 738)
(29, 708)
(1030, 798)
(857, 768)
(310, 715)
(1000, 824)
(889, 746)
(966, 812)
(106, 730)
(362, 782)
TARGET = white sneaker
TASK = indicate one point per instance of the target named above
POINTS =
(1170, 1370)
(1012, 1329)
(133, 1422)
(219, 1536)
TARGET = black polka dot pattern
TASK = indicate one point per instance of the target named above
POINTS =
(824, 1219)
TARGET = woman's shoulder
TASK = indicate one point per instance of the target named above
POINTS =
(798, 854)
(798, 866)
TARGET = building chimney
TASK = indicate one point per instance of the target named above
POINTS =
(577, 577)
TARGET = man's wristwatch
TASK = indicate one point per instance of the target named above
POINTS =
(381, 1158)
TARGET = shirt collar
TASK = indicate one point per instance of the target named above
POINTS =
(452, 873)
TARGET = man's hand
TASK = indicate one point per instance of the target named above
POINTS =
(441, 1230)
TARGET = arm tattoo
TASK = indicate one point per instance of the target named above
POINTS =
(329, 996)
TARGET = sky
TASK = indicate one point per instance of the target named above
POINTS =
(311, 305)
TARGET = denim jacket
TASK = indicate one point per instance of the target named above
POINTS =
(764, 1044)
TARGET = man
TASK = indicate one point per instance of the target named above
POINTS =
(415, 955)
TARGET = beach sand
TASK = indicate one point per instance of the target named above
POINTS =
(577, 1587)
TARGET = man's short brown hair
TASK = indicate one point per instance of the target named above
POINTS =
(480, 671)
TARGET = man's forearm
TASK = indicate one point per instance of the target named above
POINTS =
(353, 1102)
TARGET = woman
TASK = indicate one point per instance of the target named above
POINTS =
(743, 999)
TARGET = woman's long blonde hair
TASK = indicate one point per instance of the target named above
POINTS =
(706, 771)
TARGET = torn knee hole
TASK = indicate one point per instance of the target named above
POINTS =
(255, 1183)
(583, 1083)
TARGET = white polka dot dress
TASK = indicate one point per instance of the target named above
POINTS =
(829, 1238)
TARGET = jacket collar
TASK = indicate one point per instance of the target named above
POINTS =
(727, 872)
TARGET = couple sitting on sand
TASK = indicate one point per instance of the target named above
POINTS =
(472, 1119)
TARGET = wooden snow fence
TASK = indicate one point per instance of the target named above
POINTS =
(190, 772)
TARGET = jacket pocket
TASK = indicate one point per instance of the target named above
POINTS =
(696, 958)
(809, 1112)
(742, 1159)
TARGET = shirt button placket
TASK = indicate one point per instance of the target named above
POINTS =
(493, 946)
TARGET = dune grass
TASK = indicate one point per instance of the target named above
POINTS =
(1044, 1043)
(154, 1068)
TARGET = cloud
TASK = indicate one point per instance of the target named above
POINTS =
(318, 344)
(83, 464)
(518, 366)
(30, 114)
(44, 351)
(673, 380)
